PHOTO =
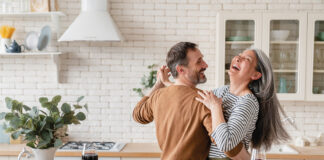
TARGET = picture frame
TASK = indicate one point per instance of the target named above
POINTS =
(39, 5)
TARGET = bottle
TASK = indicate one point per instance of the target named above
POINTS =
(90, 152)
(258, 154)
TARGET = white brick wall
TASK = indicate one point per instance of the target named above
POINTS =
(106, 72)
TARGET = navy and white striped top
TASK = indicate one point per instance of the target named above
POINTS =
(241, 114)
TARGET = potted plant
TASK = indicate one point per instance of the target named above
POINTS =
(44, 128)
(147, 81)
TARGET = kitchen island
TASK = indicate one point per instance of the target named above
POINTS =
(151, 151)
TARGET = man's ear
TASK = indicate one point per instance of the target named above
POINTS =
(179, 69)
(256, 76)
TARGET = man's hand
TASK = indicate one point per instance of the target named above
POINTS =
(163, 76)
(162, 79)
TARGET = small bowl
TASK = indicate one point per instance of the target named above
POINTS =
(279, 35)
(320, 36)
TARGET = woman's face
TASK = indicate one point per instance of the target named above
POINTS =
(243, 67)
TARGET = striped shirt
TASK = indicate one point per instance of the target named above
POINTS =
(241, 114)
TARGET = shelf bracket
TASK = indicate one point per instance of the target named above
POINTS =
(56, 60)
(56, 22)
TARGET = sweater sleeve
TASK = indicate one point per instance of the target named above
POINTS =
(207, 122)
(228, 135)
(142, 112)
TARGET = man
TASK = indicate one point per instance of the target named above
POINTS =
(183, 125)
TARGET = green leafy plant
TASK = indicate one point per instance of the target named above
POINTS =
(147, 81)
(42, 128)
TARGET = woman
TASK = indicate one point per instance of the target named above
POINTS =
(250, 106)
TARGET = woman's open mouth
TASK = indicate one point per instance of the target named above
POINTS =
(235, 67)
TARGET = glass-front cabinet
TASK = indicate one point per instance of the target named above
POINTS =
(315, 57)
(282, 38)
(236, 32)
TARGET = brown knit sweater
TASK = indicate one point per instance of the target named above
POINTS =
(183, 124)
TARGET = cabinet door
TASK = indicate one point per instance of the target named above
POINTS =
(284, 40)
(235, 33)
(315, 57)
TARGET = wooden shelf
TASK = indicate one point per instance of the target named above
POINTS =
(55, 18)
(54, 56)
(33, 14)
(319, 42)
(280, 71)
(239, 42)
(283, 42)
(30, 53)
(284, 71)
(318, 71)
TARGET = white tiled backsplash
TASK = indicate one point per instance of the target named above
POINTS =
(106, 72)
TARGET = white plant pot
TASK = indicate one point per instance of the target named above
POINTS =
(39, 154)
(44, 154)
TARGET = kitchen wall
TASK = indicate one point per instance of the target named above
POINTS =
(106, 72)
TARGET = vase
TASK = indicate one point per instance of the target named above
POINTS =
(40, 154)
(44, 154)
(4, 43)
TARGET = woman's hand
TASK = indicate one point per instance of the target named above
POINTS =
(214, 104)
(163, 75)
(210, 100)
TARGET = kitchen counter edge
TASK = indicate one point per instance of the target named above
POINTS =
(151, 150)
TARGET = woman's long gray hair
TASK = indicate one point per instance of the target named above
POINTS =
(269, 127)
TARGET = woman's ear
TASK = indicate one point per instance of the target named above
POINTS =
(256, 76)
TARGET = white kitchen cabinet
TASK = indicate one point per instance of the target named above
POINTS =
(235, 33)
(239, 31)
(288, 57)
(315, 57)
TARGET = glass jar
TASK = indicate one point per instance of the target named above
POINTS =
(89, 152)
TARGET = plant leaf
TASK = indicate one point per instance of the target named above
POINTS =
(56, 99)
(81, 116)
(2, 115)
(75, 121)
(47, 105)
(49, 120)
(43, 112)
(80, 99)
(66, 108)
(14, 122)
(58, 143)
(43, 100)
(42, 143)
(29, 124)
(9, 116)
(31, 144)
(45, 136)
(34, 112)
(86, 107)
(42, 124)
(16, 105)
(8, 102)
(59, 125)
(58, 120)
(67, 118)
(76, 106)
(30, 136)
(9, 130)
(26, 108)
(15, 135)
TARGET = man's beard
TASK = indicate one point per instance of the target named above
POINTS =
(195, 77)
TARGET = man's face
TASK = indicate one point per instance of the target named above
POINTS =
(196, 67)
